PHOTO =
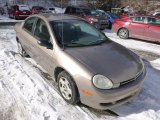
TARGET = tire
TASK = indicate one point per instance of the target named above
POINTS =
(123, 33)
(67, 88)
(21, 51)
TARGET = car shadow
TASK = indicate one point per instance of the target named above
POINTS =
(149, 97)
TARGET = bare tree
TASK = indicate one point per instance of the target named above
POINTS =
(61, 3)
(103, 4)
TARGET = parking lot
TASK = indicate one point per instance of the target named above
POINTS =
(29, 93)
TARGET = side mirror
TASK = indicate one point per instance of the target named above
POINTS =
(45, 44)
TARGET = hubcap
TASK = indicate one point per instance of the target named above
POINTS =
(65, 88)
(123, 33)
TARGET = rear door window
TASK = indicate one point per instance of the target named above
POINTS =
(41, 31)
(138, 19)
(23, 7)
(29, 23)
(153, 21)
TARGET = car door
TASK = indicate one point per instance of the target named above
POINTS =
(137, 27)
(153, 30)
(26, 36)
(43, 45)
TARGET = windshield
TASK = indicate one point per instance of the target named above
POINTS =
(113, 15)
(24, 7)
(74, 33)
(101, 13)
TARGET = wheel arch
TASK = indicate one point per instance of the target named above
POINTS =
(60, 69)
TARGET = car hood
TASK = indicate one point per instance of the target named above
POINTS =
(109, 59)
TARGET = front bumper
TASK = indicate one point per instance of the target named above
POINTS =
(107, 99)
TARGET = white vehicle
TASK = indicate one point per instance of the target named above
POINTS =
(51, 9)
(59, 10)
(157, 13)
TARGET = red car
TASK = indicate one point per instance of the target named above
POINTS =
(19, 11)
(90, 15)
(141, 27)
(37, 9)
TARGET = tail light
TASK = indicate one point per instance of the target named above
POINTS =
(17, 12)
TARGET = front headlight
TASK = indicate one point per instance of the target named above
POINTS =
(94, 19)
(102, 82)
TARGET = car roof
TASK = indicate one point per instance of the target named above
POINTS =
(52, 17)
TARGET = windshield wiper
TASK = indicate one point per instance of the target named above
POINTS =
(99, 41)
(74, 44)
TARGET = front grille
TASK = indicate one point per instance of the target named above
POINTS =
(125, 82)
(103, 21)
(131, 80)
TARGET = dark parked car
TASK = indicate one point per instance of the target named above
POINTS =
(86, 64)
(141, 27)
(19, 11)
(89, 15)
(110, 17)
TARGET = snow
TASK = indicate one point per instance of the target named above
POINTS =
(2, 17)
(25, 94)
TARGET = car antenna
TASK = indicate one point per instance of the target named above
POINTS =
(62, 28)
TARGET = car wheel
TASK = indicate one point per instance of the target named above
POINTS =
(123, 33)
(67, 88)
(21, 51)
